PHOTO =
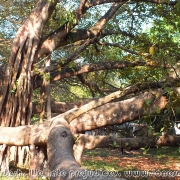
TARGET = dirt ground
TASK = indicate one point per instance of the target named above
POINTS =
(162, 166)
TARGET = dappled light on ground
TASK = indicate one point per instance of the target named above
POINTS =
(139, 163)
(162, 159)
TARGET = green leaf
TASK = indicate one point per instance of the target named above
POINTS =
(126, 144)
(144, 152)
(13, 90)
(162, 129)
(148, 101)
(114, 143)
(158, 110)
(167, 89)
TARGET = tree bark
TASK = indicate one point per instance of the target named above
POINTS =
(119, 112)
(78, 70)
(16, 102)
(99, 115)
(62, 164)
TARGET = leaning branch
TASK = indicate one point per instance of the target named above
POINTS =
(120, 112)
(37, 134)
(98, 2)
(54, 39)
(78, 70)
(120, 46)
(69, 116)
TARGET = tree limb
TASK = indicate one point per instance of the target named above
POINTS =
(77, 70)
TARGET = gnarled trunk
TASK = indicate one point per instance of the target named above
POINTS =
(62, 164)
(16, 102)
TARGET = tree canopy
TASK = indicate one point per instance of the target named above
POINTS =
(127, 34)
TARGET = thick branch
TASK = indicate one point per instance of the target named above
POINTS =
(62, 107)
(119, 94)
(116, 113)
(60, 36)
(25, 135)
(119, 112)
(61, 159)
(56, 40)
(103, 20)
(53, 40)
(98, 2)
(77, 70)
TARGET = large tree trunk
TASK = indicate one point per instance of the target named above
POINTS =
(62, 164)
(37, 135)
(16, 102)
(15, 106)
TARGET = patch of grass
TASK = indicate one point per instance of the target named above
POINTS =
(100, 165)
(165, 158)
(98, 152)
(160, 153)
